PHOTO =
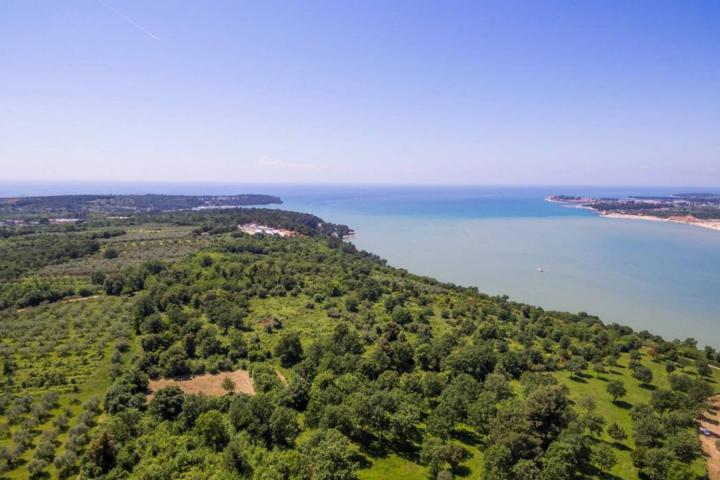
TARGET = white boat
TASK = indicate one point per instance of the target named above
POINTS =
(539, 269)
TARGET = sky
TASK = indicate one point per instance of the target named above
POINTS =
(483, 92)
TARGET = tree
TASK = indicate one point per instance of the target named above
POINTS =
(678, 471)
(559, 462)
(603, 456)
(643, 374)
(497, 463)
(283, 426)
(174, 361)
(110, 253)
(36, 467)
(167, 403)
(576, 365)
(65, 464)
(587, 403)
(235, 458)
(328, 455)
(289, 349)
(211, 428)
(228, 385)
(616, 388)
(548, 409)
(616, 432)
(102, 452)
(430, 454)
(684, 445)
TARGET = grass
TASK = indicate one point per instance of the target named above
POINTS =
(595, 387)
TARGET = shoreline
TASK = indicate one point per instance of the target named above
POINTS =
(707, 224)
(713, 224)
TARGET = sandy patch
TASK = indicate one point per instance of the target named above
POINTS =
(207, 384)
(711, 421)
(687, 219)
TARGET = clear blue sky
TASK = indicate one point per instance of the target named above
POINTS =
(482, 92)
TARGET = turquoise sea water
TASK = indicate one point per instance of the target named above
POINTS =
(649, 275)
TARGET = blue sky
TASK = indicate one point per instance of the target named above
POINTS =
(491, 92)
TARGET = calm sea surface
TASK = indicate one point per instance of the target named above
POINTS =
(656, 276)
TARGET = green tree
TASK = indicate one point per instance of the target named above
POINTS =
(559, 462)
(616, 432)
(616, 389)
(228, 385)
(497, 463)
(576, 365)
(102, 452)
(283, 426)
(328, 455)
(289, 349)
(167, 403)
(603, 457)
(643, 374)
(235, 458)
(212, 429)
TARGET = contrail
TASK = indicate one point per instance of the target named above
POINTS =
(130, 21)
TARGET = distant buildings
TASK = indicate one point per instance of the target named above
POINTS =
(254, 229)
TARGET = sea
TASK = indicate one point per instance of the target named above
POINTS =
(655, 276)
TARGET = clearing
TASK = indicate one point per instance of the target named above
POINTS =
(208, 384)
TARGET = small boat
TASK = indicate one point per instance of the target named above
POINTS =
(539, 269)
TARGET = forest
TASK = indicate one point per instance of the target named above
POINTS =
(115, 335)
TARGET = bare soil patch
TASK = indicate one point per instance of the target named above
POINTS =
(207, 384)
(711, 421)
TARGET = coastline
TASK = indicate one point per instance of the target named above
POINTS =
(581, 202)
(709, 224)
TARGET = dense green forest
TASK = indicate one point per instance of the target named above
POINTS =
(114, 336)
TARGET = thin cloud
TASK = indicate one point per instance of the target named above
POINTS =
(130, 21)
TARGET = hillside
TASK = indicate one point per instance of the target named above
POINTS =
(358, 369)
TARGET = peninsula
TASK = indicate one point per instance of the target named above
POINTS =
(78, 206)
(699, 209)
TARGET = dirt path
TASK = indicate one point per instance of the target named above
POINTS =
(711, 421)
(282, 378)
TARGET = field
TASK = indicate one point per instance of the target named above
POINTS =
(138, 245)
(58, 360)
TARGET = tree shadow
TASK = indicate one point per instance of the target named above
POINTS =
(462, 471)
(620, 446)
(594, 471)
(468, 437)
(648, 386)
(578, 379)
(622, 404)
